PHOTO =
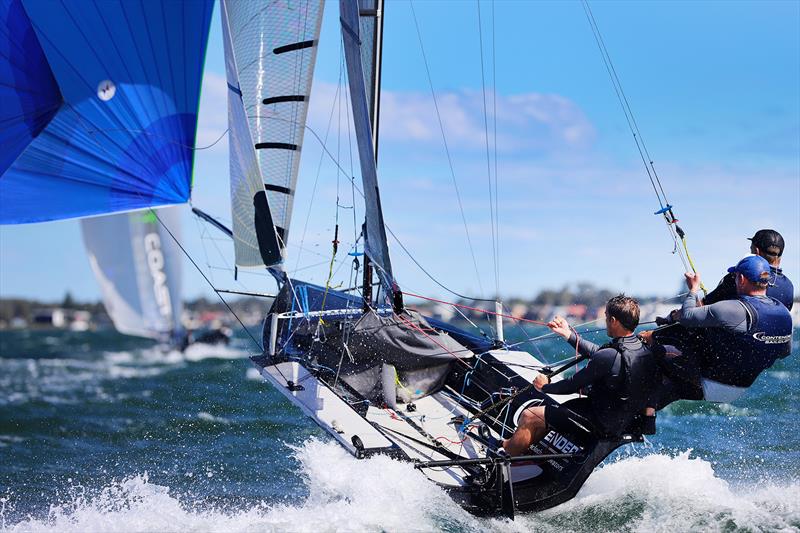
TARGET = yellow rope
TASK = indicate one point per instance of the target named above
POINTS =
(691, 264)
(399, 384)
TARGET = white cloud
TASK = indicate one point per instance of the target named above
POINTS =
(527, 122)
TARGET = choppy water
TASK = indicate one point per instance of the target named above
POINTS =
(101, 432)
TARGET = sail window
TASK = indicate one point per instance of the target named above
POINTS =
(106, 90)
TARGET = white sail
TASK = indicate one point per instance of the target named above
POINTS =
(270, 49)
(138, 267)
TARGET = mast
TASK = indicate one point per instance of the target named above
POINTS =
(371, 20)
(370, 13)
(360, 77)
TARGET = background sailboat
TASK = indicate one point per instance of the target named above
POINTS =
(138, 267)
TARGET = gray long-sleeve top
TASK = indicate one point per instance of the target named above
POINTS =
(728, 314)
(603, 364)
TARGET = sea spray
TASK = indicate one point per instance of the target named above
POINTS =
(675, 493)
(651, 493)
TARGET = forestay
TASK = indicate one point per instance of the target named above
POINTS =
(100, 104)
(270, 49)
(138, 267)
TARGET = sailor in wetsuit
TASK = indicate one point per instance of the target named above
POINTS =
(720, 349)
(769, 244)
(622, 374)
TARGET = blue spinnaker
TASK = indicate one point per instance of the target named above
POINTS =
(101, 101)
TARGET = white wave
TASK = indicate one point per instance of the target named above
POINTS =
(651, 493)
(783, 375)
(208, 417)
(345, 494)
(128, 372)
(163, 356)
(7, 440)
(253, 374)
(198, 352)
(676, 493)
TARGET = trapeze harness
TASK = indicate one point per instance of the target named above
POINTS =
(617, 402)
(731, 360)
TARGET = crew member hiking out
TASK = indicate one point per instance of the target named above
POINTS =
(769, 244)
(622, 374)
(720, 349)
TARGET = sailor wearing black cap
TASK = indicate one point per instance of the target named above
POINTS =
(769, 244)
(720, 349)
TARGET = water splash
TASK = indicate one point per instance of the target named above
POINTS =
(650, 493)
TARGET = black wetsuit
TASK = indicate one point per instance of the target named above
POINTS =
(781, 289)
(618, 386)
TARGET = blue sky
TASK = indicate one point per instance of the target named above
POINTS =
(715, 88)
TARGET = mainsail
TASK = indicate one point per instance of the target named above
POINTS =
(376, 246)
(270, 49)
(138, 267)
(100, 102)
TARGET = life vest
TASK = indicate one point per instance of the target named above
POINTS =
(781, 288)
(737, 358)
(618, 400)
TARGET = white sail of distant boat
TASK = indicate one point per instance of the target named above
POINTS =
(138, 267)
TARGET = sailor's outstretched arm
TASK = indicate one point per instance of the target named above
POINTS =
(729, 314)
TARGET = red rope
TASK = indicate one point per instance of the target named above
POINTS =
(451, 441)
(475, 309)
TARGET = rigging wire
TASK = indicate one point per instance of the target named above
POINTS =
(494, 142)
(488, 158)
(389, 229)
(319, 163)
(447, 149)
(666, 209)
(219, 295)
(333, 159)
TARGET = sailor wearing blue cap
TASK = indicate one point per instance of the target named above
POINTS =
(720, 349)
